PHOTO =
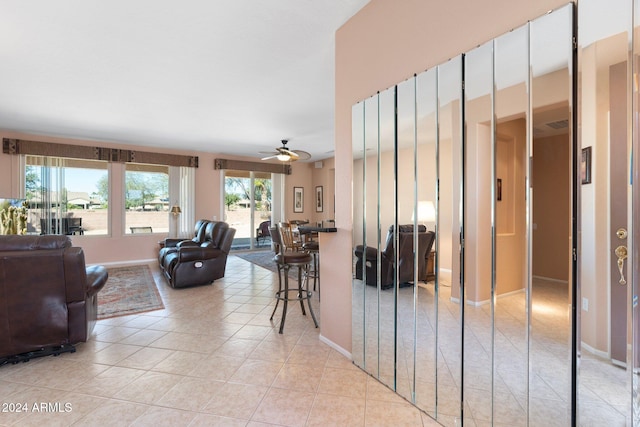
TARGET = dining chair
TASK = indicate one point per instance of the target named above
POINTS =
(289, 240)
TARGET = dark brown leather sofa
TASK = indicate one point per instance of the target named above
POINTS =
(48, 297)
(367, 258)
(200, 264)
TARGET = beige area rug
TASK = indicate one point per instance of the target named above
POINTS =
(129, 290)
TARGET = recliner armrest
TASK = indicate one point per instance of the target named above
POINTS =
(96, 278)
(187, 243)
(172, 243)
(370, 254)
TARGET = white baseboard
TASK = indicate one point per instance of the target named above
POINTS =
(444, 275)
(479, 303)
(549, 279)
(488, 301)
(599, 353)
(336, 347)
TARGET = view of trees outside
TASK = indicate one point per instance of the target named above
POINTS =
(238, 188)
(147, 198)
(59, 189)
(79, 189)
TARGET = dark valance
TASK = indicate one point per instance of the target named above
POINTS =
(283, 168)
(50, 149)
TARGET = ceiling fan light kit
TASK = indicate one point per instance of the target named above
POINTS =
(285, 155)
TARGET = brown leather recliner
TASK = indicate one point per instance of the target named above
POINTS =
(197, 265)
(171, 244)
(48, 297)
(367, 258)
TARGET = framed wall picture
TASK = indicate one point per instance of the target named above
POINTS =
(319, 199)
(298, 199)
(585, 166)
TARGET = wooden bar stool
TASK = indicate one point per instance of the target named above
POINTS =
(285, 260)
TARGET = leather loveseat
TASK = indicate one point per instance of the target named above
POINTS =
(367, 258)
(171, 245)
(193, 264)
(48, 297)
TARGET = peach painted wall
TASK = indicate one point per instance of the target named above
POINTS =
(383, 44)
(323, 174)
(301, 176)
(511, 227)
(551, 202)
(307, 176)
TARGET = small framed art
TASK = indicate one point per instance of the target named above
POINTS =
(298, 199)
(319, 199)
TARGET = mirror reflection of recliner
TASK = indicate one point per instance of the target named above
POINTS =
(367, 258)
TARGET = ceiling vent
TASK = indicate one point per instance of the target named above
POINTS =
(560, 124)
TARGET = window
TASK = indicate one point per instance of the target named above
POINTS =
(146, 198)
(66, 196)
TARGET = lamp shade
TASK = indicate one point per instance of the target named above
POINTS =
(426, 211)
(175, 209)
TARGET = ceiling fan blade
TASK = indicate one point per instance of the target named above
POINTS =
(270, 157)
(302, 155)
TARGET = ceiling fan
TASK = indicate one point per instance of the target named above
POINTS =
(285, 155)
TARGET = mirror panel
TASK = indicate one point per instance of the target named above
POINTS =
(550, 349)
(370, 276)
(357, 291)
(406, 257)
(387, 193)
(605, 317)
(450, 176)
(426, 291)
(478, 292)
(633, 266)
(510, 231)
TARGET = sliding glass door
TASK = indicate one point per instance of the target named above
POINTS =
(247, 204)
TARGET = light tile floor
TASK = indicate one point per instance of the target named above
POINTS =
(210, 358)
(517, 377)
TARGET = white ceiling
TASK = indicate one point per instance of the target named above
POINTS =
(223, 76)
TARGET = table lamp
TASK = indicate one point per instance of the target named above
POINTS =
(426, 212)
(175, 211)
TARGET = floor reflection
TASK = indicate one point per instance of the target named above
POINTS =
(603, 387)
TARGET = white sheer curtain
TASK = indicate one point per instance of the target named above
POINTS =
(182, 194)
(51, 198)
